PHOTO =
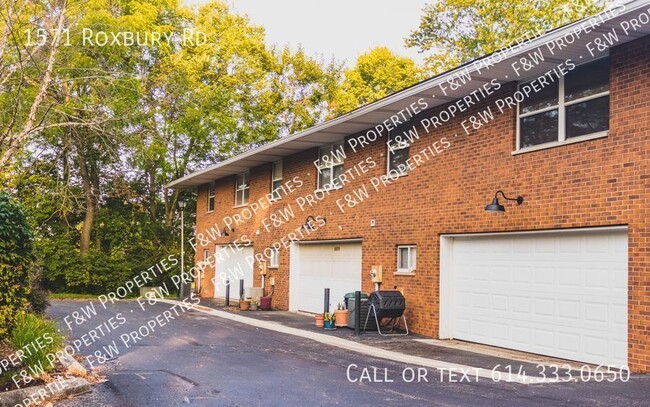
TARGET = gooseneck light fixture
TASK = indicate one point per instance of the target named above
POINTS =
(224, 231)
(496, 207)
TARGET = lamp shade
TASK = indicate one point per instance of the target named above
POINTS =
(494, 206)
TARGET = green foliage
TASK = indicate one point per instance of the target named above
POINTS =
(39, 336)
(16, 256)
(456, 31)
(377, 74)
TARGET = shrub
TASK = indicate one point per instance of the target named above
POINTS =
(38, 296)
(38, 336)
(16, 247)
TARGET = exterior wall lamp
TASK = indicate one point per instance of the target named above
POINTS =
(496, 207)
(224, 231)
(308, 223)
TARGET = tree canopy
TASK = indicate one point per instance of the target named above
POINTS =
(452, 32)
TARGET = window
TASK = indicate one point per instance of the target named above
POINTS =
(330, 166)
(275, 258)
(206, 256)
(210, 197)
(398, 153)
(241, 189)
(406, 259)
(575, 105)
(276, 180)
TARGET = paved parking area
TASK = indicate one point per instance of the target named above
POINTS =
(201, 360)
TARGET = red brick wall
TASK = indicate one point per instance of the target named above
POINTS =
(593, 183)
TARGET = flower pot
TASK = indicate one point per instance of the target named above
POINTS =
(329, 325)
(244, 305)
(319, 320)
(253, 307)
(341, 317)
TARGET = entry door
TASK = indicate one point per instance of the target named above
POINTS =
(233, 264)
(562, 294)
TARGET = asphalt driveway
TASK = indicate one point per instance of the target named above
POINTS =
(189, 358)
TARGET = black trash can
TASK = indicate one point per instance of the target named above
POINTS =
(349, 296)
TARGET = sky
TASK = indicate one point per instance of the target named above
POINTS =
(340, 28)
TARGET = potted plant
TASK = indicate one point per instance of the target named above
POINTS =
(319, 319)
(329, 320)
(341, 316)
(254, 303)
(244, 304)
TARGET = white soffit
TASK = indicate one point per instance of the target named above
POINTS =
(373, 114)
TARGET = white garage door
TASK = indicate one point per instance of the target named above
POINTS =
(233, 264)
(562, 294)
(314, 267)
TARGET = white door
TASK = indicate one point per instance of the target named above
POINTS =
(233, 263)
(314, 267)
(561, 294)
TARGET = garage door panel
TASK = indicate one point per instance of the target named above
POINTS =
(336, 266)
(561, 294)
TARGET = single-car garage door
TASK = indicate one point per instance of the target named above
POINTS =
(559, 293)
(316, 266)
(233, 263)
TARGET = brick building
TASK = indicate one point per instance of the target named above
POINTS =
(562, 120)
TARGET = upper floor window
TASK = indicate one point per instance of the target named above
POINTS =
(241, 189)
(211, 197)
(575, 105)
(398, 153)
(330, 165)
(276, 180)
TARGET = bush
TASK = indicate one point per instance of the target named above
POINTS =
(16, 247)
(38, 296)
(31, 330)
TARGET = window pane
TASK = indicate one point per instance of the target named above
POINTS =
(211, 203)
(245, 201)
(397, 158)
(240, 180)
(277, 191)
(587, 117)
(546, 97)
(324, 178)
(336, 181)
(277, 170)
(337, 154)
(324, 156)
(412, 264)
(587, 80)
(403, 258)
(538, 129)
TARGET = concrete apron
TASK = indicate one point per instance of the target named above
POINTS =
(364, 349)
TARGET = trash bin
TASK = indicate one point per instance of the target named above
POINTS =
(349, 296)
(372, 325)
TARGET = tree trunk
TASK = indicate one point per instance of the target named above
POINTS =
(89, 197)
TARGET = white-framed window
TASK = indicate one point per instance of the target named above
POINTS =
(398, 152)
(274, 261)
(211, 197)
(406, 256)
(572, 108)
(242, 189)
(330, 166)
(276, 180)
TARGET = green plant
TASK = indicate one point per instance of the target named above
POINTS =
(330, 317)
(38, 336)
(16, 245)
(255, 301)
(340, 307)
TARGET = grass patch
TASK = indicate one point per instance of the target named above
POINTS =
(71, 296)
(37, 336)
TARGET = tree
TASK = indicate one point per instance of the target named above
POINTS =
(455, 31)
(376, 74)
(16, 244)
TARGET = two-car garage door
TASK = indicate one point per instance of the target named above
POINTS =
(562, 294)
